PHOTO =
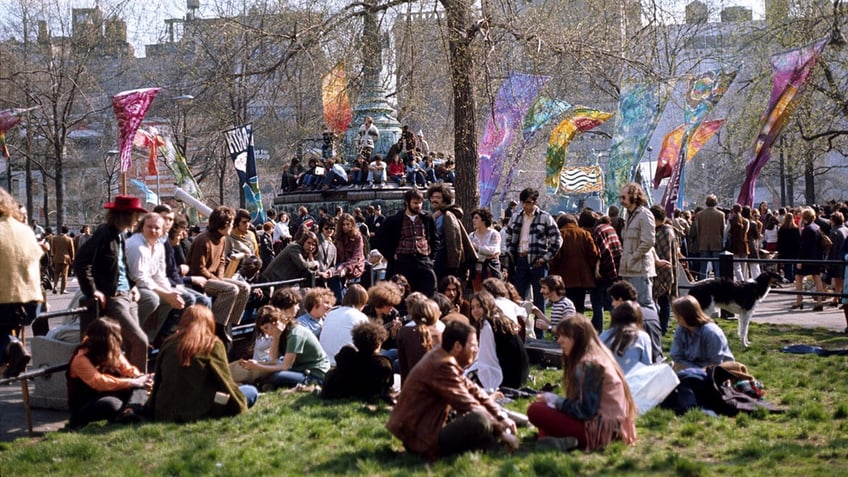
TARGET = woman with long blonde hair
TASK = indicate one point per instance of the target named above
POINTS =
(192, 379)
(597, 407)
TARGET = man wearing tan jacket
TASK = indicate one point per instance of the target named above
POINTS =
(637, 241)
(63, 255)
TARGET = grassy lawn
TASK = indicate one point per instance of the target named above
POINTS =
(300, 434)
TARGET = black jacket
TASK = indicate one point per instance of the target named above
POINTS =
(96, 263)
(388, 236)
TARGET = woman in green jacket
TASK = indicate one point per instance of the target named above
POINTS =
(192, 379)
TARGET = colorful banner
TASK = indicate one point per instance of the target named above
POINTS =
(580, 119)
(152, 142)
(512, 102)
(183, 178)
(149, 196)
(581, 180)
(638, 114)
(543, 111)
(702, 94)
(240, 146)
(790, 70)
(671, 147)
(130, 108)
(337, 111)
(9, 118)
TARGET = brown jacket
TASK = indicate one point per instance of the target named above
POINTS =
(576, 259)
(708, 226)
(434, 386)
(62, 250)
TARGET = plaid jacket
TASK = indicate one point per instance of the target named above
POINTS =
(609, 246)
(545, 239)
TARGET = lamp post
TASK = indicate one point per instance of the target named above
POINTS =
(183, 101)
(109, 165)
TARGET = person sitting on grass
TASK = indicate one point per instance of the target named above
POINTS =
(622, 291)
(597, 408)
(318, 302)
(339, 322)
(192, 379)
(296, 356)
(698, 341)
(102, 384)
(361, 372)
(437, 386)
(553, 290)
(625, 337)
(502, 360)
(421, 334)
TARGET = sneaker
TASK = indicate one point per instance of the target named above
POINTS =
(563, 444)
(18, 359)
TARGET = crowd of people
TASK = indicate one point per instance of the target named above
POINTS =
(407, 162)
(452, 316)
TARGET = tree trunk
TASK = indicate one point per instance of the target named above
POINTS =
(458, 14)
(60, 189)
(809, 180)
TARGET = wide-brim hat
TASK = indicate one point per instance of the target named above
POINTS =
(126, 203)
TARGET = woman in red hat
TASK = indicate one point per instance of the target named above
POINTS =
(101, 269)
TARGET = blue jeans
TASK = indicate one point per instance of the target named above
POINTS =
(643, 287)
(251, 394)
(600, 301)
(526, 276)
(290, 379)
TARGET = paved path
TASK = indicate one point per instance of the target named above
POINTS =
(775, 309)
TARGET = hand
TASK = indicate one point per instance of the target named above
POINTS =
(663, 264)
(199, 281)
(175, 300)
(135, 294)
(511, 440)
(139, 382)
(101, 299)
(249, 364)
(538, 263)
(184, 270)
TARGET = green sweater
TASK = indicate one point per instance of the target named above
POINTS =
(187, 393)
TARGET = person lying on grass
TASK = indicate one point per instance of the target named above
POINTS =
(192, 379)
(361, 372)
(597, 408)
(296, 355)
(433, 388)
(102, 384)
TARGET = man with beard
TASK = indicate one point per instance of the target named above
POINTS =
(436, 385)
(409, 242)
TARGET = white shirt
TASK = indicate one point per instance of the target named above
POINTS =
(281, 231)
(146, 263)
(488, 367)
(510, 309)
(338, 325)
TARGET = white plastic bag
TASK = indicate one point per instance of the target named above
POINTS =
(650, 385)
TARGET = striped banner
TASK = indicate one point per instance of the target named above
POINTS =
(581, 180)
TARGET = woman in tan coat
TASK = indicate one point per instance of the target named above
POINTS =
(576, 262)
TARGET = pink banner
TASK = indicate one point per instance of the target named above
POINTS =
(790, 70)
(130, 108)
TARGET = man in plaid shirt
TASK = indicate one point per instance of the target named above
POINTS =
(532, 240)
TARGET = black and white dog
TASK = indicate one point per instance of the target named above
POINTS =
(739, 298)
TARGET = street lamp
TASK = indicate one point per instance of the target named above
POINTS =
(183, 101)
(111, 166)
